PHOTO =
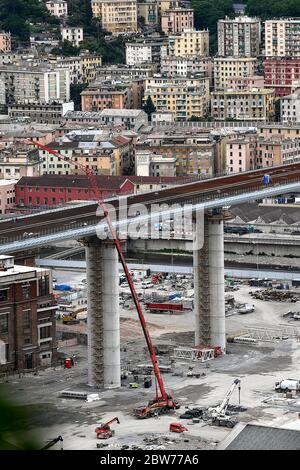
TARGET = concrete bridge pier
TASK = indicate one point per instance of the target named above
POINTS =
(209, 281)
(103, 320)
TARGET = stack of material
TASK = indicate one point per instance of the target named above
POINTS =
(274, 295)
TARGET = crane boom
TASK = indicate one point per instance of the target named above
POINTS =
(221, 409)
(93, 181)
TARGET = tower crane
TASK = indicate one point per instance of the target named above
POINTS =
(163, 401)
(218, 414)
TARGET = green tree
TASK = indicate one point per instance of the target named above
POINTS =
(273, 8)
(66, 49)
(149, 107)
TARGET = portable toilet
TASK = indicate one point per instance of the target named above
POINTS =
(266, 179)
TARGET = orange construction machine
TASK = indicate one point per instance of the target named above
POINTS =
(103, 431)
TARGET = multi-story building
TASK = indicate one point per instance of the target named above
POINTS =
(189, 42)
(277, 150)
(17, 163)
(242, 83)
(34, 84)
(58, 8)
(240, 154)
(43, 113)
(72, 34)
(5, 42)
(116, 16)
(90, 64)
(226, 67)
(283, 74)
(187, 66)
(184, 97)
(243, 105)
(239, 37)
(148, 163)
(106, 95)
(149, 11)
(7, 195)
(176, 20)
(27, 317)
(290, 108)
(125, 118)
(282, 37)
(143, 51)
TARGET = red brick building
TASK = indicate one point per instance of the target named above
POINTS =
(27, 316)
(281, 74)
(57, 190)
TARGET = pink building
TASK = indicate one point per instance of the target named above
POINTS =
(7, 195)
(240, 154)
(5, 42)
(176, 20)
(244, 83)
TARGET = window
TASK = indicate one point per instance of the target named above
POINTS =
(3, 295)
(25, 289)
(26, 319)
(45, 332)
(4, 323)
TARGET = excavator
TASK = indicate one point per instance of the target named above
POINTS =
(163, 401)
(53, 442)
(103, 431)
(218, 414)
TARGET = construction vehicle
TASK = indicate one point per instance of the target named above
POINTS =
(104, 432)
(177, 427)
(70, 318)
(287, 385)
(218, 415)
(53, 442)
(163, 401)
(134, 385)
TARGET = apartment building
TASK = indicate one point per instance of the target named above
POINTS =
(282, 74)
(282, 37)
(283, 131)
(189, 42)
(176, 20)
(72, 34)
(5, 42)
(112, 95)
(245, 105)
(58, 8)
(43, 113)
(27, 317)
(226, 67)
(34, 84)
(148, 163)
(277, 151)
(125, 118)
(17, 163)
(143, 52)
(187, 66)
(183, 97)
(242, 83)
(7, 195)
(148, 10)
(239, 37)
(290, 108)
(116, 16)
(240, 154)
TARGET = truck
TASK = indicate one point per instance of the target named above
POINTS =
(287, 385)
(166, 307)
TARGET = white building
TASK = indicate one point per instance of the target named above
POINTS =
(282, 37)
(72, 34)
(290, 108)
(149, 164)
(186, 66)
(145, 52)
(57, 8)
(128, 118)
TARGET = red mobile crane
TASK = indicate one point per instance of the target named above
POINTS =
(163, 401)
(103, 431)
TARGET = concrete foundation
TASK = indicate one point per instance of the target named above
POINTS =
(209, 284)
(103, 314)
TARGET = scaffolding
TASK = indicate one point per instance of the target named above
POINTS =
(193, 354)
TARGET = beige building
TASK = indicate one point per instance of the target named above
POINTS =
(243, 83)
(239, 37)
(7, 195)
(282, 37)
(73, 35)
(176, 20)
(148, 163)
(182, 96)
(57, 8)
(245, 105)
(226, 67)
(285, 131)
(189, 42)
(149, 11)
(5, 42)
(116, 16)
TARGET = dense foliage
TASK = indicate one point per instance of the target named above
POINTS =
(273, 8)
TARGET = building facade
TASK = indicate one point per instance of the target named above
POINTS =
(27, 317)
(144, 52)
(187, 66)
(148, 10)
(43, 113)
(226, 67)
(282, 74)
(189, 42)
(240, 154)
(239, 37)
(5, 42)
(57, 8)
(116, 16)
(290, 108)
(72, 34)
(7, 195)
(96, 98)
(176, 20)
(282, 37)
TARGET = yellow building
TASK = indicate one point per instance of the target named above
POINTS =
(116, 16)
(226, 67)
(182, 96)
(89, 65)
(189, 42)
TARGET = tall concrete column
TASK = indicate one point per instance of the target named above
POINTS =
(103, 319)
(209, 284)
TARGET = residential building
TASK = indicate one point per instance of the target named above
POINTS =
(162, 116)
(290, 108)
(239, 37)
(282, 74)
(148, 10)
(243, 83)
(90, 64)
(116, 16)
(44, 113)
(149, 164)
(176, 20)
(125, 118)
(58, 8)
(17, 163)
(34, 84)
(143, 52)
(277, 151)
(189, 42)
(184, 97)
(5, 41)
(282, 37)
(72, 34)
(106, 95)
(255, 104)
(187, 66)
(279, 130)
(240, 154)
(7, 196)
(27, 317)
(226, 67)
(126, 72)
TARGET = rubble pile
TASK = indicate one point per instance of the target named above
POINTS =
(274, 295)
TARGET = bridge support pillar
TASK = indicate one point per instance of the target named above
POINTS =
(103, 319)
(209, 283)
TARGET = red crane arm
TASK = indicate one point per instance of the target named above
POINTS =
(111, 421)
(93, 180)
